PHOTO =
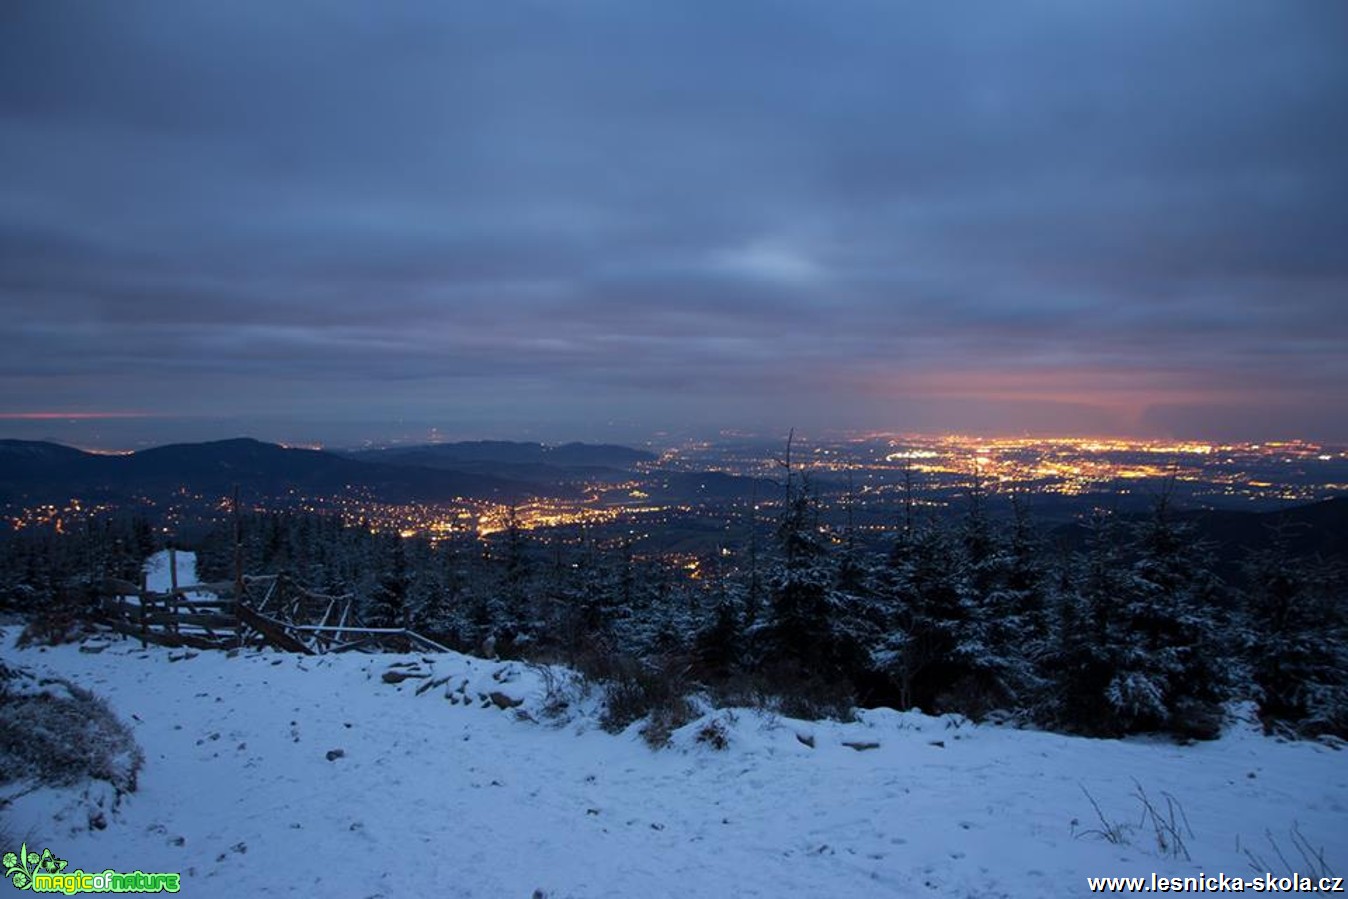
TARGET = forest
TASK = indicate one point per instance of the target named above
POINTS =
(980, 613)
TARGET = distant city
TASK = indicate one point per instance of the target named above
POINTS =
(699, 496)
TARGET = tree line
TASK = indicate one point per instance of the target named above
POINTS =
(979, 614)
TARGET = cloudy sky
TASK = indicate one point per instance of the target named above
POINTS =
(600, 219)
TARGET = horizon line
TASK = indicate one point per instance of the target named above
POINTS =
(827, 433)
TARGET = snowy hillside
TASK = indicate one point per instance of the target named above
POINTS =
(363, 776)
(159, 573)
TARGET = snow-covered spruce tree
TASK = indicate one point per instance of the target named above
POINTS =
(1297, 640)
(962, 614)
(863, 624)
(918, 646)
(1028, 583)
(997, 638)
(425, 590)
(942, 658)
(801, 644)
(387, 605)
(30, 570)
(555, 593)
(1177, 666)
(891, 656)
(718, 643)
(671, 615)
(1139, 644)
(573, 611)
(1085, 648)
(627, 600)
(861, 583)
(451, 616)
(504, 615)
(718, 649)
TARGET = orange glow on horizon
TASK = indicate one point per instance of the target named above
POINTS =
(71, 416)
(1126, 393)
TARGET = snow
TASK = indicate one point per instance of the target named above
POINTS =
(440, 790)
(159, 576)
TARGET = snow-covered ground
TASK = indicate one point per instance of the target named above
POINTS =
(159, 573)
(441, 788)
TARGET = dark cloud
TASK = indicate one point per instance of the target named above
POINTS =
(1042, 216)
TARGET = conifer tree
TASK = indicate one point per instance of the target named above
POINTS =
(1087, 636)
(1298, 640)
(1175, 668)
(387, 605)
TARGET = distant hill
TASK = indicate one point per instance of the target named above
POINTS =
(40, 472)
(28, 460)
(538, 463)
(515, 453)
(1316, 529)
(535, 463)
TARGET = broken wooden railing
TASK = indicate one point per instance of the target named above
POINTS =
(194, 615)
(273, 610)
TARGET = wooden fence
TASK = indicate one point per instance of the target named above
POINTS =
(177, 618)
(270, 610)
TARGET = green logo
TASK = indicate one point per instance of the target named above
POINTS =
(23, 866)
(46, 873)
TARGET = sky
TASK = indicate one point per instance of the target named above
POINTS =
(603, 219)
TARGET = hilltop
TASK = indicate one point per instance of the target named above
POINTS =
(34, 471)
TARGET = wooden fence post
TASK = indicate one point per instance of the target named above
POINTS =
(171, 606)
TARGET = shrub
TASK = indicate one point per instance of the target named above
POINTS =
(810, 697)
(58, 620)
(60, 740)
(633, 690)
(714, 733)
(664, 719)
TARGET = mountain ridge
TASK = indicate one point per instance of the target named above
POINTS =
(46, 471)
